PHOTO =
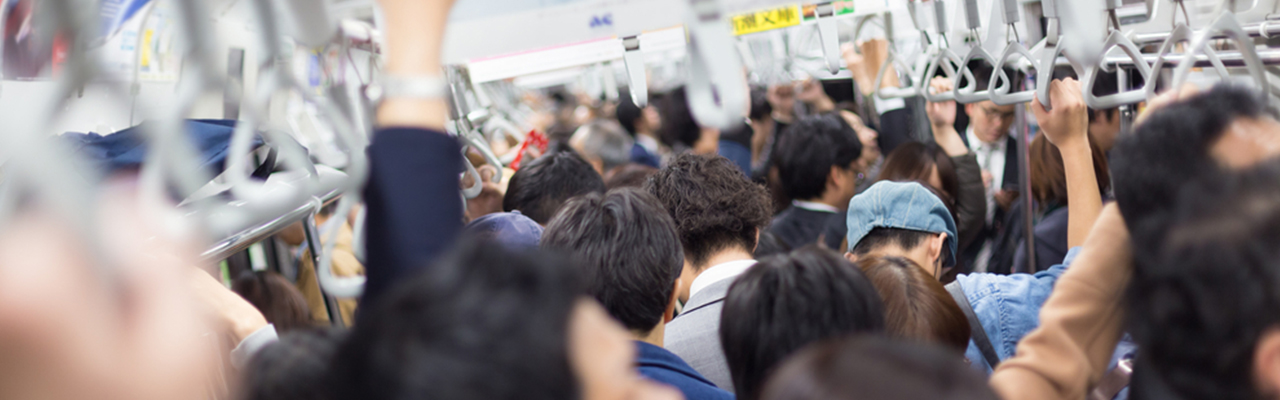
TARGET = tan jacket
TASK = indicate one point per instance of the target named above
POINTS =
(1080, 324)
(344, 264)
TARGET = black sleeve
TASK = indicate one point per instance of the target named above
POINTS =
(895, 129)
(414, 207)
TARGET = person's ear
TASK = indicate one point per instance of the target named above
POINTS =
(1266, 361)
(968, 109)
(753, 248)
(670, 312)
(937, 244)
(853, 258)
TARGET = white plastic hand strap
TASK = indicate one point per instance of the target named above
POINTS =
(716, 89)
(1000, 83)
(636, 78)
(829, 35)
(948, 61)
(1116, 39)
(1181, 33)
(969, 93)
(1226, 25)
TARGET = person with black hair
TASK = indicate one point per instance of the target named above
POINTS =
(788, 301)
(540, 188)
(679, 130)
(995, 149)
(643, 125)
(631, 260)
(487, 322)
(631, 175)
(1182, 136)
(907, 220)
(719, 215)
(294, 368)
(1202, 304)
(868, 367)
(817, 159)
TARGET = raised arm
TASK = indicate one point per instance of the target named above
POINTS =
(414, 209)
(1080, 324)
(1067, 127)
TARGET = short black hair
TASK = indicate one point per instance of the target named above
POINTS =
(1199, 305)
(541, 187)
(786, 302)
(678, 125)
(626, 112)
(713, 204)
(485, 322)
(983, 72)
(760, 106)
(629, 251)
(1172, 147)
(870, 367)
(880, 236)
(293, 368)
(808, 150)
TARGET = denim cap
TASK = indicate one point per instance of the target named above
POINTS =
(511, 229)
(902, 205)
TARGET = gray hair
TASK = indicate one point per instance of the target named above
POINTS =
(605, 140)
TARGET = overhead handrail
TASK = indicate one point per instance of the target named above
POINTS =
(716, 87)
(1116, 39)
(1225, 26)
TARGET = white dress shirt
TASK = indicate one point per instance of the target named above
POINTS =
(719, 272)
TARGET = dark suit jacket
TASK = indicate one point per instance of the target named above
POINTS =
(414, 207)
(1011, 171)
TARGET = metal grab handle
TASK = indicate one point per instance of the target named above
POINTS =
(969, 93)
(1225, 25)
(1181, 33)
(829, 35)
(1001, 83)
(948, 60)
(1116, 39)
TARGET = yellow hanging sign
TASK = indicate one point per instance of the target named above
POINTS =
(764, 20)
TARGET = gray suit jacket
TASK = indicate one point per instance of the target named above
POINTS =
(694, 335)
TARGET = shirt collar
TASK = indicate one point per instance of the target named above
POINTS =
(717, 273)
(978, 144)
(815, 206)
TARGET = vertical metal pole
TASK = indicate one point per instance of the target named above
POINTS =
(1024, 169)
(314, 247)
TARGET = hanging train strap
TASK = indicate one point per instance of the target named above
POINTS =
(976, 332)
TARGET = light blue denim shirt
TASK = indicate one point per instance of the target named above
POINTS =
(1008, 306)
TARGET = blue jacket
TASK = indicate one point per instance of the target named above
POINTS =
(1008, 306)
(662, 366)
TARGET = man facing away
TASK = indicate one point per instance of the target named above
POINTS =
(631, 259)
(718, 214)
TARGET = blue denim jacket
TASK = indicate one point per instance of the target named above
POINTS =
(1008, 306)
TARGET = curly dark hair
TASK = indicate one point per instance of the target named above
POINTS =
(714, 205)
(1200, 301)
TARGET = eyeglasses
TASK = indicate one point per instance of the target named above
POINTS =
(991, 112)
